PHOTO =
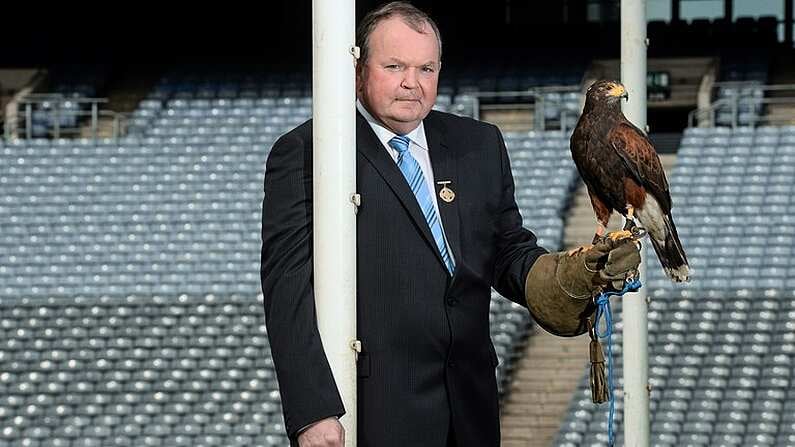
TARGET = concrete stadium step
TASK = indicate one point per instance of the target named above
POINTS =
(780, 114)
(509, 117)
(542, 385)
(520, 424)
(105, 128)
(541, 393)
(562, 377)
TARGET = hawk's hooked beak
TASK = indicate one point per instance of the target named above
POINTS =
(618, 91)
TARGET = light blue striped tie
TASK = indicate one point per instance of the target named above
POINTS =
(413, 173)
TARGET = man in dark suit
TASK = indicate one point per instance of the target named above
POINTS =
(437, 227)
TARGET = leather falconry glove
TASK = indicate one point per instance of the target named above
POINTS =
(560, 286)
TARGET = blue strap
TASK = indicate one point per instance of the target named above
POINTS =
(603, 310)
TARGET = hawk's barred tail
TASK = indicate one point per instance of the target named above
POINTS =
(671, 254)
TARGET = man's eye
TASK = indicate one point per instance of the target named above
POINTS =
(428, 69)
(393, 67)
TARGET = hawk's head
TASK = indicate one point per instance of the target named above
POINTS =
(606, 91)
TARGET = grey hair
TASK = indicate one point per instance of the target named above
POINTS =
(411, 16)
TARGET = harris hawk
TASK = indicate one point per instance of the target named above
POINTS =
(622, 172)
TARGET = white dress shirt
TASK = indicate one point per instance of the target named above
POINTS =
(418, 149)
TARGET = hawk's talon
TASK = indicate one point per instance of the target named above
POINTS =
(619, 235)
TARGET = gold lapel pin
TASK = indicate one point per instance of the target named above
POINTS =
(446, 194)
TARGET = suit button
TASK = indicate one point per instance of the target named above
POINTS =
(450, 363)
(451, 300)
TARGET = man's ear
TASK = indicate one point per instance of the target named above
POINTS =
(359, 70)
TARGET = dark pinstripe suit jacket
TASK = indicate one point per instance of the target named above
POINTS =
(427, 358)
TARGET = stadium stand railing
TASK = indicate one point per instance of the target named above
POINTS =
(55, 115)
(552, 107)
(746, 103)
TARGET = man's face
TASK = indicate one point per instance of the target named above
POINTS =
(397, 84)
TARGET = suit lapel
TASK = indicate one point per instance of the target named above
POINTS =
(445, 168)
(369, 145)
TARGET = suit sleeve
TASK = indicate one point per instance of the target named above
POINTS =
(517, 249)
(308, 390)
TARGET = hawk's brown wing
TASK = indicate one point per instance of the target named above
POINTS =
(641, 160)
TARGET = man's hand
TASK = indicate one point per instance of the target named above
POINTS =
(323, 433)
(615, 260)
(585, 272)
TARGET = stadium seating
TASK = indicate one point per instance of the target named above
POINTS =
(130, 309)
(176, 370)
(721, 348)
(142, 217)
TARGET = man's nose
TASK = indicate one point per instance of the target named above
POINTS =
(410, 78)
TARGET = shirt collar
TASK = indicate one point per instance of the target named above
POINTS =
(417, 136)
